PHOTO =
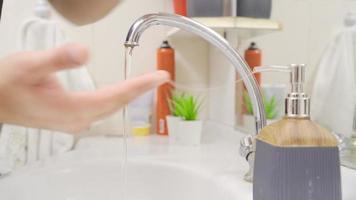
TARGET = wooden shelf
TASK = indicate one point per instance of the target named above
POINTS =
(245, 27)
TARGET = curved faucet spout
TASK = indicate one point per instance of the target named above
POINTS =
(219, 42)
(215, 39)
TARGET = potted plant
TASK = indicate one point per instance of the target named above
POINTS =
(173, 119)
(271, 110)
(186, 127)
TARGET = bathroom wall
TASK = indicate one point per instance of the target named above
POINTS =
(14, 12)
(308, 25)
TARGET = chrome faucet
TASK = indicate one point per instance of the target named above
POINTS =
(146, 21)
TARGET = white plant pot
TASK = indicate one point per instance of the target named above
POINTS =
(190, 132)
(173, 128)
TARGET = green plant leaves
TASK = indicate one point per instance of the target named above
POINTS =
(248, 103)
(184, 106)
(270, 106)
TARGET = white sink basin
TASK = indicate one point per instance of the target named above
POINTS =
(103, 181)
(156, 171)
(145, 180)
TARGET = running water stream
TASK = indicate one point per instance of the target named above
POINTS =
(125, 124)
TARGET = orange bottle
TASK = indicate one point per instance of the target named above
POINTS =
(165, 61)
(253, 57)
(180, 7)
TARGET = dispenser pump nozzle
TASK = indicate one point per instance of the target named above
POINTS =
(297, 103)
(297, 78)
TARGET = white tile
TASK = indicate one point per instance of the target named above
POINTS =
(289, 45)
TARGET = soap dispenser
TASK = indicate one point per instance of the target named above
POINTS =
(295, 157)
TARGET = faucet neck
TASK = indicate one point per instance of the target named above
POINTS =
(187, 24)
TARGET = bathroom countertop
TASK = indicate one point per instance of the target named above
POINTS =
(217, 157)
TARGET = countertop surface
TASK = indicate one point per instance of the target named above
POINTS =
(217, 157)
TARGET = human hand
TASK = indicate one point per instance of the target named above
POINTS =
(31, 95)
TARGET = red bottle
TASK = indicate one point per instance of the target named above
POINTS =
(180, 7)
(253, 57)
(165, 61)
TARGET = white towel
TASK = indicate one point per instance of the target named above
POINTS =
(22, 145)
(334, 92)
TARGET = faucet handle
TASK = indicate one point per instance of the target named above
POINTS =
(247, 150)
(246, 146)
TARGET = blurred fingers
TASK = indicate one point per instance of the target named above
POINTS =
(37, 65)
(108, 100)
